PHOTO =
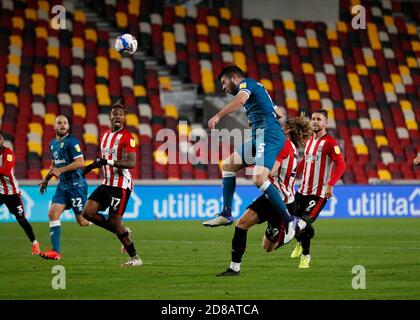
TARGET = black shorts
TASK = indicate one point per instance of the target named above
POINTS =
(14, 203)
(309, 205)
(113, 197)
(264, 208)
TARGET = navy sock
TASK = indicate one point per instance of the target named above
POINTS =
(229, 186)
(55, 235)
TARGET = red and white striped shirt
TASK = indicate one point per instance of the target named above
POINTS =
(320, 154)
(284, 179)
(114, 146)
(8, 182)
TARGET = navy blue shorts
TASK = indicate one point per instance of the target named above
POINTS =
(72, 194)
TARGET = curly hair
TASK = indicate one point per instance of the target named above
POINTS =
(299, 129)
(119, 104)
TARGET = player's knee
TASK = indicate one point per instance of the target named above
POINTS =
(259, 179)
(243, 224)
(268, 246)
(86, 214)
(20, 218)
(229, 167)
(52, 216)
(83, 222)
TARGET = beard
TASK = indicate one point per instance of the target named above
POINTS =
(61, 134)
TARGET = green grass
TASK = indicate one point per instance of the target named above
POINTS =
(181, 259)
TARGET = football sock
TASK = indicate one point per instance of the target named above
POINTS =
(306, 244)
(131, 250)
(238, 245)
(273, 195)
(26, 227)
(235, 266)
(55, 234)
(229, 185)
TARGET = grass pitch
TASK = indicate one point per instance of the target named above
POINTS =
(181, 259)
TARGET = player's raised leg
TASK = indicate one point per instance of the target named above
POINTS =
(261, 180)
(230, 166)
(91, 213)
(268, 145)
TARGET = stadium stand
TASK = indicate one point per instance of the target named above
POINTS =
(368, 80)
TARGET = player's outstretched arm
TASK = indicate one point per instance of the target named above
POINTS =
(78, 163)
(232, 106)
(416, 161)
(128, 163)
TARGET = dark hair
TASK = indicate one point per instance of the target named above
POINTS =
(299, 129)
(322, 111)
(120, 105)
(231, 69)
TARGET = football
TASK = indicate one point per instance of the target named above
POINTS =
(126, 44)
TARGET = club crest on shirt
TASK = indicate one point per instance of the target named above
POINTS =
(61, 145)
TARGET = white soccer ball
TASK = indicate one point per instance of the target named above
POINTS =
(126, 44)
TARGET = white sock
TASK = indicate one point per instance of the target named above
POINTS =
(90, 224)
(35, 242)
(235, 266)
(55, 223)
(227, 174)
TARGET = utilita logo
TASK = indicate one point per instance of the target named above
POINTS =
(192, 205)
(385, 204)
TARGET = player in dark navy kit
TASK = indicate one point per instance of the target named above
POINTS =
(67, 162)
(259, 211)
(267, 141)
